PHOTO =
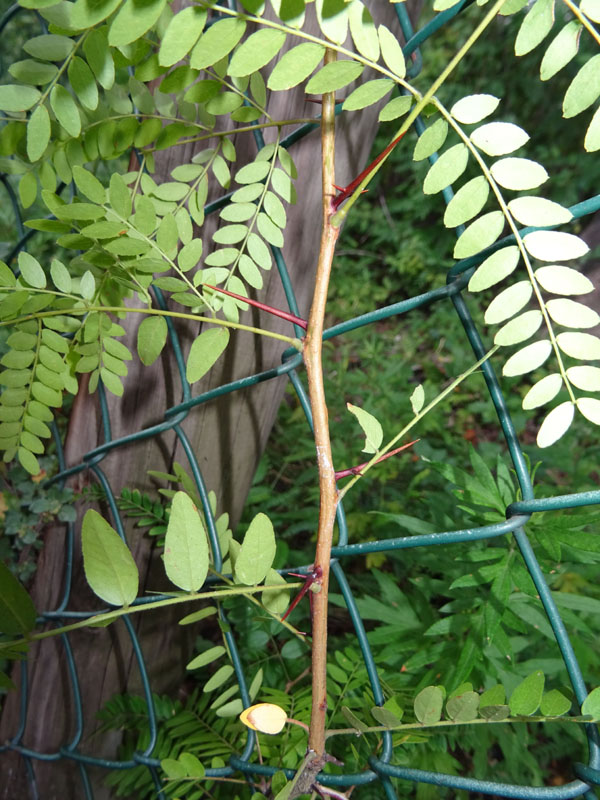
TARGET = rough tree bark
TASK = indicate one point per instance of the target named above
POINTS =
(228, 437)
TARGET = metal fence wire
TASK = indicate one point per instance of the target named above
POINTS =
(379, 769)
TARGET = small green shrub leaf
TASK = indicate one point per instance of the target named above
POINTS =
(38, 133)
(591, 704)
(535, 27)
(431, 140)
(395, 108)
(186, 545)
(554, 704)
(207, 657)
(109, 566)
(256, 555)
(17, 612)
(66, 110)
(417, 399)
(556, 424)
(363, 30)
(428, 705)
(367, 94)
(526, 698)
(18, 98)
(133, 20)
(218, 679)
(31, 270)
(385, 717)
(583, 346)
(463, 707)
(181, 35)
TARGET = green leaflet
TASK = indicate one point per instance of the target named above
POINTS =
(467, 202)
(539, 212)
(543, 391)
(555, 425)
(289, 11)
(590, 409)
(479, 234)
(518, 174)
(36, 73)
(519, 329)
(499, 138)
(428, 705)
(18, 98)
(334, 76)
(186, 545)
(181, 35)
(535, 27)
(133, 20)
(449, 166)
(509, 302)
(363, 31)
(31, 270)
(332, 16)
(109, 566)
(431, 140)
(257, 552)
(258, 49)
(391, 52)
(559, 279)
(571, 314)
(207, 657)
(371, 428)
(584, 88)
(83, 83)
(38, 133)
(17, 612)
(49, 47)
(474, 108)
(583, 346)
(99, 56)
(526, 698)
(66, 110)
(561, 50)
(555, 245)
(592, 136)
(87, 13)
(528, 359)
(217, 42)
(205, 351)
(367, 94)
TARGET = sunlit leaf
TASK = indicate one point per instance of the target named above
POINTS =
(334, 76)
(586, 378)
(495, 268)
(467, 202)
(295, 66)
(572, 314)
(519, 329)
(518, 174)
(583, 346)
(391, 52)
(449, 166)
(205, 351)
(539, 212)
(474, 108)
(186, 545)
(367, 94)
(499, 138)
(563, 280)
(133, 20)
(584, 88)
(591, 704)
(256, 555)
(535, 27)
(363, 30)
(529, 358)
(555, 245)
(590, 408)
(431, 140)
(479, 234)
(181, 35)
(417, 399)
(556, 424)
(509, 302)
(543, 391)
(256, 51)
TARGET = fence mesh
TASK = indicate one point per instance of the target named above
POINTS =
(379, 768)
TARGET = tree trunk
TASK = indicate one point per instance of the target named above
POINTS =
(227, 436)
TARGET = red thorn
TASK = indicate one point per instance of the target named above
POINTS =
(344, 473)
(263, 307)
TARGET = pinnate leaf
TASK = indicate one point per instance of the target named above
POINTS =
(508, 302)
(467, 202)
(539, 212)
(66, 110)
(586, 378)
(109, 566)
(518, 174)
(181, 35)
(526, 698)
(519, 329)
(133, 20)
(555, 245)
(479, 234)
(391, 52)
(584, 346)
(31, 270)
(151, 338)
(535, 27)
(216, 42)
(449, 166)
(584, 88)
(563, 280)
(363, 30)
(562, 49)
(18, 98)
(38, 133)
(367, 94)
(572, 314)
(256, 51)
(591, 704)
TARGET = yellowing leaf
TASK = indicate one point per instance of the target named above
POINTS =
(264, 717)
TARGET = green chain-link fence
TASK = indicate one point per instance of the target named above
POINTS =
(379, 768)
